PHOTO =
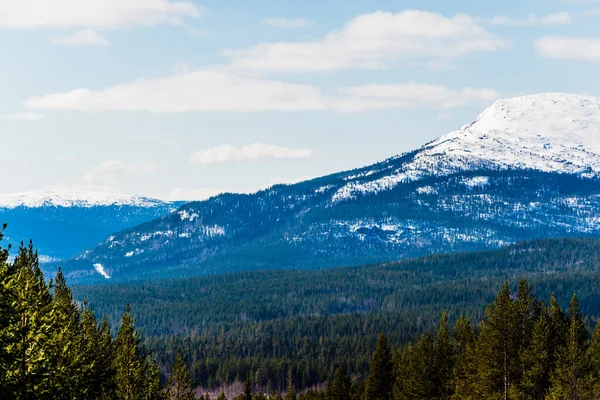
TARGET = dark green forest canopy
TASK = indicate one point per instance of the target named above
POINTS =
(309, 321)
(458, 283)
(385, 342)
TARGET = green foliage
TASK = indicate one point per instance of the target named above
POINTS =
(341, 386)
(290, 389)
(379, 384)
(180, 385)
(571, 380)
(51, 348)
(248, 392)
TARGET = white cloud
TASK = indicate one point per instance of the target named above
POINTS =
(443, 116)
(21, 116)
(286, 22)
(255, 151)
(22, 14)
(107, 173)
(414, 94)
(563, 47)
(200, 90)
(86, 37)
(220, 90)
(560, 18)
(374, 41)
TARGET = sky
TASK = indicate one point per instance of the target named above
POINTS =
(180, 99)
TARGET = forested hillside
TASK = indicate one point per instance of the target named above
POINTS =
(268, 322)
(52, 347)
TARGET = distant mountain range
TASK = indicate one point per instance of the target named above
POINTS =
(63, 224)
(527, 168)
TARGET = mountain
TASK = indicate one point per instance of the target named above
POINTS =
(527, 168)
(64, 224)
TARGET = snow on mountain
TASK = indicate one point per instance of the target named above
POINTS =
(527, 168)
(83, 199)
(550, 132)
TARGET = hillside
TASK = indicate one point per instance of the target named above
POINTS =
(311, 320)
(527, 168)
(424, 286)
(64, 224)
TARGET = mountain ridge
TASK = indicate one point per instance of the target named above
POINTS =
(64, 224)
(78, 198)
(521, 171)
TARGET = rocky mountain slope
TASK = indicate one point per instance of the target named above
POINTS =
(527, 168)
(63, 224)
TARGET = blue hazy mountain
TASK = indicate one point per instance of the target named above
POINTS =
(63, 224)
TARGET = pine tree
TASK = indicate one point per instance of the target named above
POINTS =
(70, 371)
(558, 325)
(465, 367)
(536, 360)
(498, 349)
(98, 346)
(248, 393)
(571, 379)
(417, 381)
(180, 385)
(380, 381)
(8, 317)
(153, 389)
(341, 386)
(444, 354)
(28, 374)
(129, 362)
(594, 359)
(290, 389)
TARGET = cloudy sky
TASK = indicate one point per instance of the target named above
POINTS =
(183, 99)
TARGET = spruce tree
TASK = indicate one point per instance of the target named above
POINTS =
(8, 316)
(180, 385)
(153, 389)
(129, 363)
(70, 369)
(558, 325)
(571, 379)
(98, 346)
(248, 391)
(380, 381)
(31, 332)
(290, 389)
(444, 354)
(417, 381)
(341, 386)
(536, 361)
(465, 367)
(498, 348)
(594, 359)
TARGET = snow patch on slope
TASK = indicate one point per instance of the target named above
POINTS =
(551, 132)
(100, 269)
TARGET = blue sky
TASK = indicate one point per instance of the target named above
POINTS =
(183, 99)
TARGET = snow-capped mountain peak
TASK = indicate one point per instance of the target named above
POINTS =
(547, 132)
(84, 199)
(550, 132)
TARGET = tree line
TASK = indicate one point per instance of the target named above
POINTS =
(54, 348)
